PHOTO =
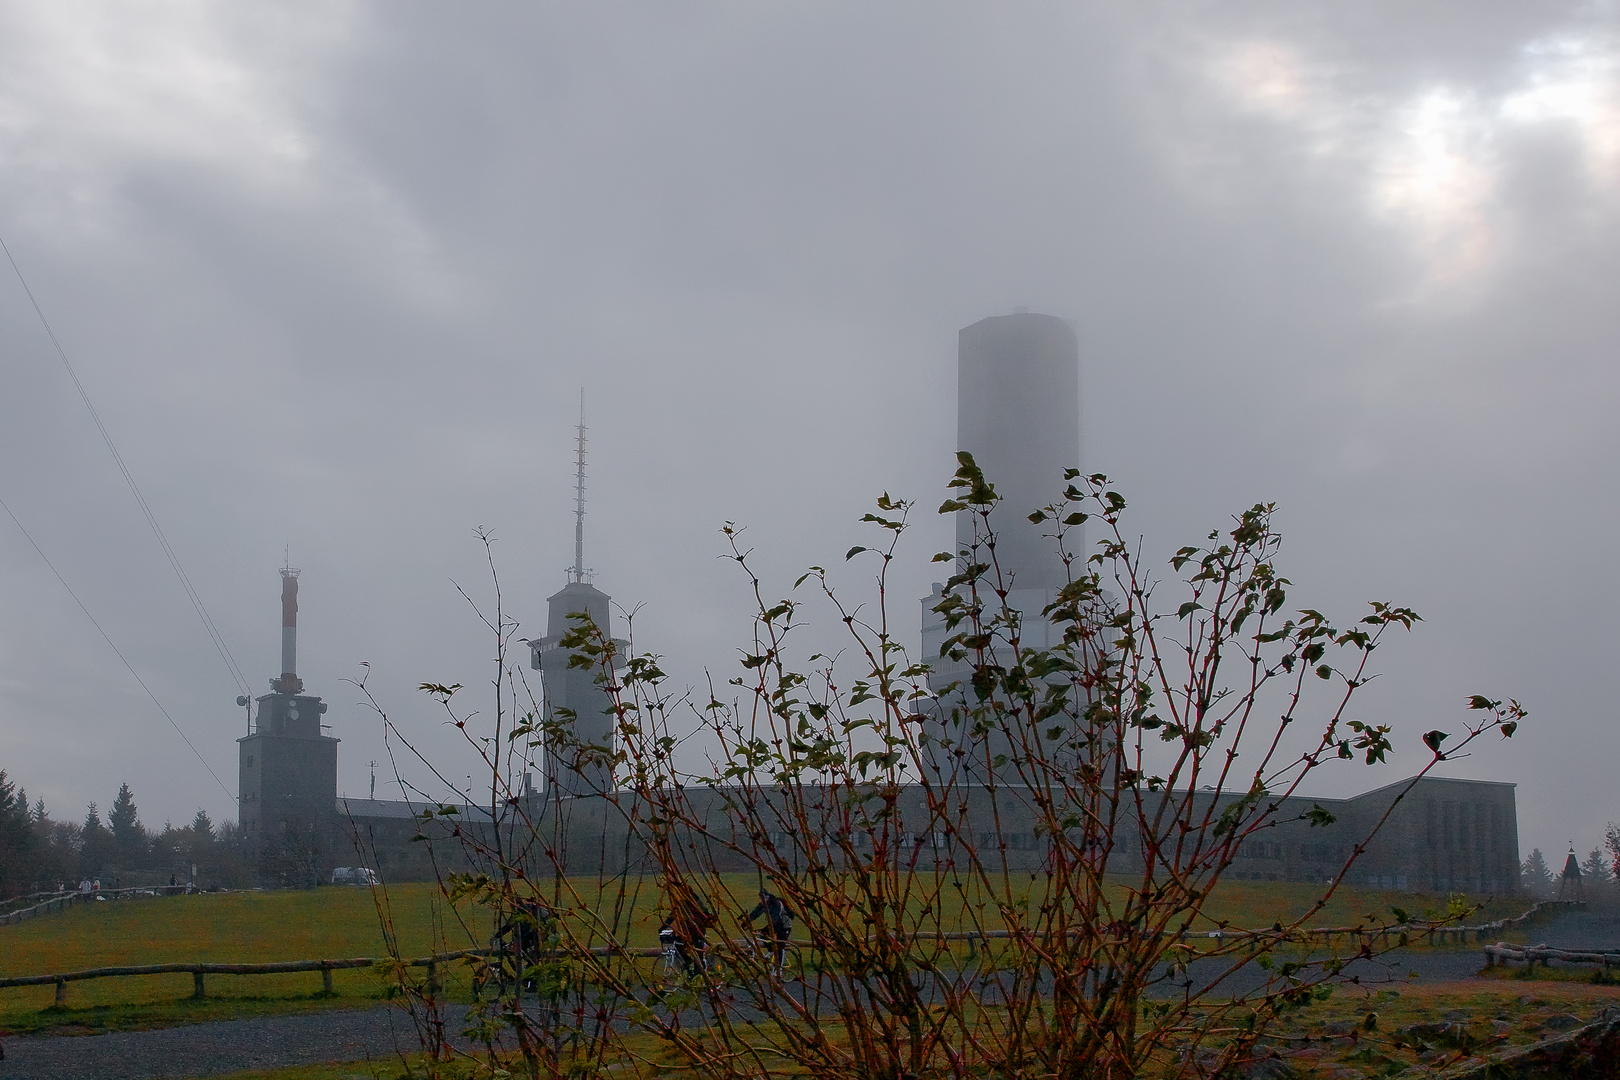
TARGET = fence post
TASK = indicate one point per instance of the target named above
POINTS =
(197, 985)
(432, 979)
(61, 993)
(326, 979)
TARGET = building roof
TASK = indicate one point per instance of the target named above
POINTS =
(380, 808)
(395, 810)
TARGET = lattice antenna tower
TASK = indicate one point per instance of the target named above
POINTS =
(578, 573)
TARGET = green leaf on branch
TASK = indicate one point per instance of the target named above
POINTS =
(439, 689)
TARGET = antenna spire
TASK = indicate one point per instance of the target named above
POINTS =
(578, 572)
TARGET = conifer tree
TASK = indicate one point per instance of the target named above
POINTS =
(1535, 878)
(129, 837)
(1595, 873)
(95, 843)
(124, 819)
(16, 840)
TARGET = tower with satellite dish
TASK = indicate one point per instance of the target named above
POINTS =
(288, 763)
(576, 704)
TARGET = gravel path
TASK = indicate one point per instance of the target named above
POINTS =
(358, 1035)
(220, 1046)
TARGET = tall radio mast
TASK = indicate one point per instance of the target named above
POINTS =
(578, 573)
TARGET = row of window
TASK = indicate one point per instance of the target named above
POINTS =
(1276, 850)
(1464, 826)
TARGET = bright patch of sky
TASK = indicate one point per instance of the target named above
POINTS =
(1430, 161)
(88, 84)
(1574, 79)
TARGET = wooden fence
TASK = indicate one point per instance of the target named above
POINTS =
(1356, 934)
(198, 971)
(1530, 955)
(325, 967)
(65, 900)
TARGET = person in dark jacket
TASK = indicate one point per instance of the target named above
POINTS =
(689, 925)
(529, 918)
(778, 926)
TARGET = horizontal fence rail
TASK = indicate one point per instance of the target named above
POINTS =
(1530, 955)
(64, 900)
(1501, 951)
(325, 967)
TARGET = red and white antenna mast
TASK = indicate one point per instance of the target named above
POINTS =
(289, 683)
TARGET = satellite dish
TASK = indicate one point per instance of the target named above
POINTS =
(241, 699)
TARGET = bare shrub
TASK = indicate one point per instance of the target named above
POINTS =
(999, 857)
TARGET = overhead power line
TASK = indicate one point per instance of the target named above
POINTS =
(119, 652)
(151, 520)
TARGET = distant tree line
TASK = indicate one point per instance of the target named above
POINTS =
(1541, 880)
(39, 853)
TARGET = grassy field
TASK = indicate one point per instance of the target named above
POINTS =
(242, 927)
(335, 922)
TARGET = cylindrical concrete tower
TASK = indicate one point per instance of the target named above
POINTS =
(1018, 414)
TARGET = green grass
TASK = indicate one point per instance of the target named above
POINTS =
(245, 927)
(1260, 903)
(337, 922)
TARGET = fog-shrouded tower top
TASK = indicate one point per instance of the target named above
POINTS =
(1018, 414)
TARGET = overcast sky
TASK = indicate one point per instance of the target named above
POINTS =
(334, 273)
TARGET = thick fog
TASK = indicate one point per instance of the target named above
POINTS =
(334, 274)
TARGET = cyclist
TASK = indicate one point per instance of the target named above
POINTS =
(687, 930)
(778, 926)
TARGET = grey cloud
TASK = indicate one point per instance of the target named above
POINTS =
(359, 329)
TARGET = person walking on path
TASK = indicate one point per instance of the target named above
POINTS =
(778, 927)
